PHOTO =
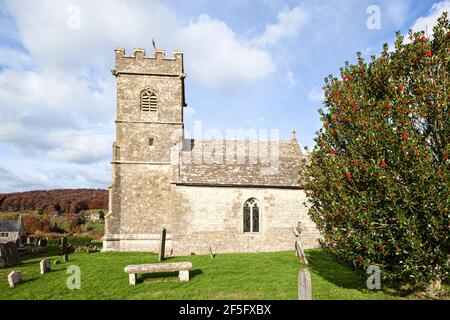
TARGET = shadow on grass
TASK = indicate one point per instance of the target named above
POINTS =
(323, 264)
(165, 276)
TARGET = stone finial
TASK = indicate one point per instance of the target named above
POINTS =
(293, 137)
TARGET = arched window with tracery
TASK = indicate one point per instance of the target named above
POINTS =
(149, 102)
(251, 215)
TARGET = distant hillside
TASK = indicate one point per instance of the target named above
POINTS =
(55, 201)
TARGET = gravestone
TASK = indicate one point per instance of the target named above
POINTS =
(304, 285)
(63, 245)
(57, 262)
(42, 243)
(45, 266)
(162, 245)
(211, 255)
(299, 252)
(14, 278)
(9, 256)
(65, 257)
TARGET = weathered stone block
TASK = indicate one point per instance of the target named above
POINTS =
(45, 266)
(14, 278)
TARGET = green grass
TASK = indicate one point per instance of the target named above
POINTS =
(228, 276)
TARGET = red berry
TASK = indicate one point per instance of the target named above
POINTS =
(363, 166)
(383, 164)
(388, 106)
(348, 175)
(429, 54)
(400, 88)
(404, 136)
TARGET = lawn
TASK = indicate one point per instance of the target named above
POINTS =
(228, 276)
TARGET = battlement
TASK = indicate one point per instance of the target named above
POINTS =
(157, 64)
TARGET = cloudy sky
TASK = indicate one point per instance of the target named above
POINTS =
(249, 64)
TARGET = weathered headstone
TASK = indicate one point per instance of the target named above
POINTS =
(162, 245)
(57, 261)
(63, 245)
(29, 240)
(9, 256)
(304, 285)
(65, 257)
(42, 242)
(45, 266)
(14, 278)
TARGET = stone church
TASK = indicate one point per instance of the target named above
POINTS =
(227, 195)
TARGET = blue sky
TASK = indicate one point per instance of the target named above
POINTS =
(249, 64)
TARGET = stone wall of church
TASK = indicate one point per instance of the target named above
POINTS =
(197, 218)
(215, 219)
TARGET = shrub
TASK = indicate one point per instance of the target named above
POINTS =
(378, 177)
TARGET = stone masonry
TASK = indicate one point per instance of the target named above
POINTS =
(195, 189)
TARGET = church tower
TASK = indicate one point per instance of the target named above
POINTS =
(149, 123)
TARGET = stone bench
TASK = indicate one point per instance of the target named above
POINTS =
(182, 267)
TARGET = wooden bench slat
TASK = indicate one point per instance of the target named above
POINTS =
(158, 267)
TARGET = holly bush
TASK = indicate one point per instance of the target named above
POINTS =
(377, 179)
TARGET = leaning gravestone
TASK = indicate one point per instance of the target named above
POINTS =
(65, 257)
(162, 245)
(304, 285)
(45, 266)
(9, 256)
(14, 278)
(63, 245)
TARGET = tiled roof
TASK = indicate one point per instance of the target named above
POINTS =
(240, 163)
(9, 226)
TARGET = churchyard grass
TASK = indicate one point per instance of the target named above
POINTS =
(227, 276)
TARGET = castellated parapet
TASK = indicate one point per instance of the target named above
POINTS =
(140, 64)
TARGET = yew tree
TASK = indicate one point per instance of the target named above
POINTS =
(377, 179)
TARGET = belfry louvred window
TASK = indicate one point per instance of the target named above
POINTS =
(251, 216)
(149, 102)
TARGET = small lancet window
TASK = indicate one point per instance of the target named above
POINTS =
(149, 102)
(251, 216)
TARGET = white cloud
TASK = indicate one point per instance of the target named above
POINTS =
(291, 78)
(289, 22)
(217, 57)
(316, 94)
(427, 23)
(60, 83)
